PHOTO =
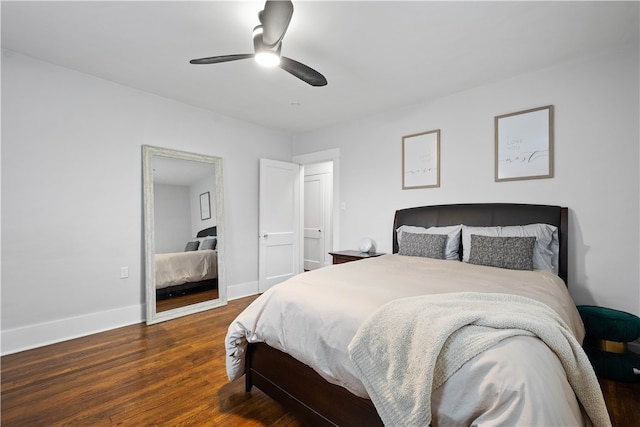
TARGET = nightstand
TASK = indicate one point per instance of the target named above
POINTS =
(340, 257)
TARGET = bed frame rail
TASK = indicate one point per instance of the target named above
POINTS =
(301, 390)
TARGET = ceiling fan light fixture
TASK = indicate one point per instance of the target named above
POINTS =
(267, 57)
(267, 44)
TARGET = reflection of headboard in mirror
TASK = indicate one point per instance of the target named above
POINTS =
(211, 231)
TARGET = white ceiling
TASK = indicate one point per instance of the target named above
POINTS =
(376, 55)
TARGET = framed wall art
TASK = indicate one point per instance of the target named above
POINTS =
(524, 144)
(205, 206)
(421, 160)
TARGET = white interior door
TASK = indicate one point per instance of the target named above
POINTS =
(313, 221)
(317, 215)
(279, 222)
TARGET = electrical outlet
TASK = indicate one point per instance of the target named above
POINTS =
(124, 272)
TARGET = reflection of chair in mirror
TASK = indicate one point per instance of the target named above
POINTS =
(188, 277)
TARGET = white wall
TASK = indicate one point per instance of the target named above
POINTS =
(72, 196)
(171, 217)
(596, 166)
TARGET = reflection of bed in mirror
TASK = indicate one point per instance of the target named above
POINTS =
(193, 271)
(182, 194)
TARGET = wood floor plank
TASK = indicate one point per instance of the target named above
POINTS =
(169, 374)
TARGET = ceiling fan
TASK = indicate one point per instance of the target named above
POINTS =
(267, 44)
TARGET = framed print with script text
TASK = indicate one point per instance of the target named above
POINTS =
(524, 144)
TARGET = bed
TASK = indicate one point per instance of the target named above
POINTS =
(320, 370)
(193, 270)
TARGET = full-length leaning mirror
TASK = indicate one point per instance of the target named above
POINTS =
(184, 233)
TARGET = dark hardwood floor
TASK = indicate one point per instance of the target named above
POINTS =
(623, 402)
(168, 374)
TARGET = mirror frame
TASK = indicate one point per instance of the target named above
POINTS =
(148, 152)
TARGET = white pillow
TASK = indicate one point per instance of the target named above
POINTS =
(545, 251)
(452, 248)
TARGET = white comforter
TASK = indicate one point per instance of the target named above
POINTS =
(185, 267)
(315, 315)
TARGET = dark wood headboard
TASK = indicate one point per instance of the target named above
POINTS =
(488, 215)
(211, 231)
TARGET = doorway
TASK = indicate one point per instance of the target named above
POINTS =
(286, 196)
(318, 209)
(331, 230)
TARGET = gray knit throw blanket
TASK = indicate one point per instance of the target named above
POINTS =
(411, 346)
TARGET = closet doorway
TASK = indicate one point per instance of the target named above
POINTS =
(318, 215)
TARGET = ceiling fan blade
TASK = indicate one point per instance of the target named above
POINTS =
(223, 58)
(275, 18)
(303, 72)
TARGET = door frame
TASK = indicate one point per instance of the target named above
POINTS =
(332, 155)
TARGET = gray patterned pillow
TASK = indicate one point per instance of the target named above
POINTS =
(424, 245)
(192, 246)
(515, 253)
(208, 244)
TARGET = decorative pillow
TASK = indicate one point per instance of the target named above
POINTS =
(423, 245)
(209, 243)
(453, 232)
(515, 253)
(545, 251)
(192, 246)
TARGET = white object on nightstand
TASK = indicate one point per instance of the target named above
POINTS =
(365, 245)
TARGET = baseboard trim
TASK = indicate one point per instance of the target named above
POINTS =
(241, 290)
(42, 334)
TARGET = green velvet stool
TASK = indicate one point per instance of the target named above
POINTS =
(608, 332)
